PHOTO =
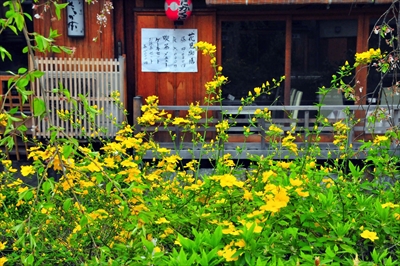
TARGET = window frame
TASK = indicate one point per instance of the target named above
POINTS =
(362, 19)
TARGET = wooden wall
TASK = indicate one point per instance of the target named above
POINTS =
(85, 47)
(175, 88)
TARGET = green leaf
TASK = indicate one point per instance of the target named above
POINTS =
(67, 204)
(39, 107)
(13, 28)
(58, 8)
(47, 186)
(55, 49)
(22, 70)
(19, 21)
(148, 244)
(29, 260)
(13, 111)
(4, 53)
(83, 221)
(108, 187)
(329, 252)
(67, 150)
(28, 195)
(37, 73)
(28, 16)
(216, 237)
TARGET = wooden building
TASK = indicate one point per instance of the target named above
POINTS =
(257, 40)
(305, 40)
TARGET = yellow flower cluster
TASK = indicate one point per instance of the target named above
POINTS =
(265, 113)
(368, 56)
(275, 130)
(213, 85)
(195, 112)
(3, 119)
(206, 48)
(151, 115)
(288, 143)
(340, 138)
(380, 139)
(227, 180)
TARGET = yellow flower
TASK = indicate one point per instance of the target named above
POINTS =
(27, 170)
(247, 195)
(369, 235)
(3, 260)
(156, 250)
(284, 165)
(95, 166)
(177, 242)
(206, 48)
(390, 205)
(3, 245)
(231, 230)
(272, 206)
(368, 56)
(180, 120)
(241, 243)
(228, 253)
(77, 229)
(257, 228)
(257, 90)
(227, 180)
(296, 182)
(267, 175)
(162, 220)
(302, 193)
(22, 189)
(380, 139)
(275, 129)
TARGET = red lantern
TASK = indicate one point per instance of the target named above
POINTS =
(178, 10)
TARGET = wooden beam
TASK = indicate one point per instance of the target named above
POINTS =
(138, 3)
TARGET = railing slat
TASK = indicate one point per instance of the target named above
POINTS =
(95, 78)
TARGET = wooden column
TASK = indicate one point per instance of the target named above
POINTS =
(288, 59)
(362, 46)
(361, 72)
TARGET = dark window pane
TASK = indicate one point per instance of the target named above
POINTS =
(14, 43)
(253, 52)
(319, 47)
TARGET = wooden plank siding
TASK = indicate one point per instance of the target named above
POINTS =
(85, 47)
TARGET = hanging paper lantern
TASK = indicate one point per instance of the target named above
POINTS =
(178, 10)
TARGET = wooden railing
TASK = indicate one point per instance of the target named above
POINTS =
(11, 99)
(304, 124)
(94, 78)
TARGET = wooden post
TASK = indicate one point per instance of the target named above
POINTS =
(288, 61)
(137, 105)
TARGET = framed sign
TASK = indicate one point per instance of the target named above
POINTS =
(169, 50)
(75, 18)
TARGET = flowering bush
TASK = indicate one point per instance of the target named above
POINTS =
(110, 206)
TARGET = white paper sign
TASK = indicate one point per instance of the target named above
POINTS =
(169, 50)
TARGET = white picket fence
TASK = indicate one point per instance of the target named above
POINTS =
(94, 78)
